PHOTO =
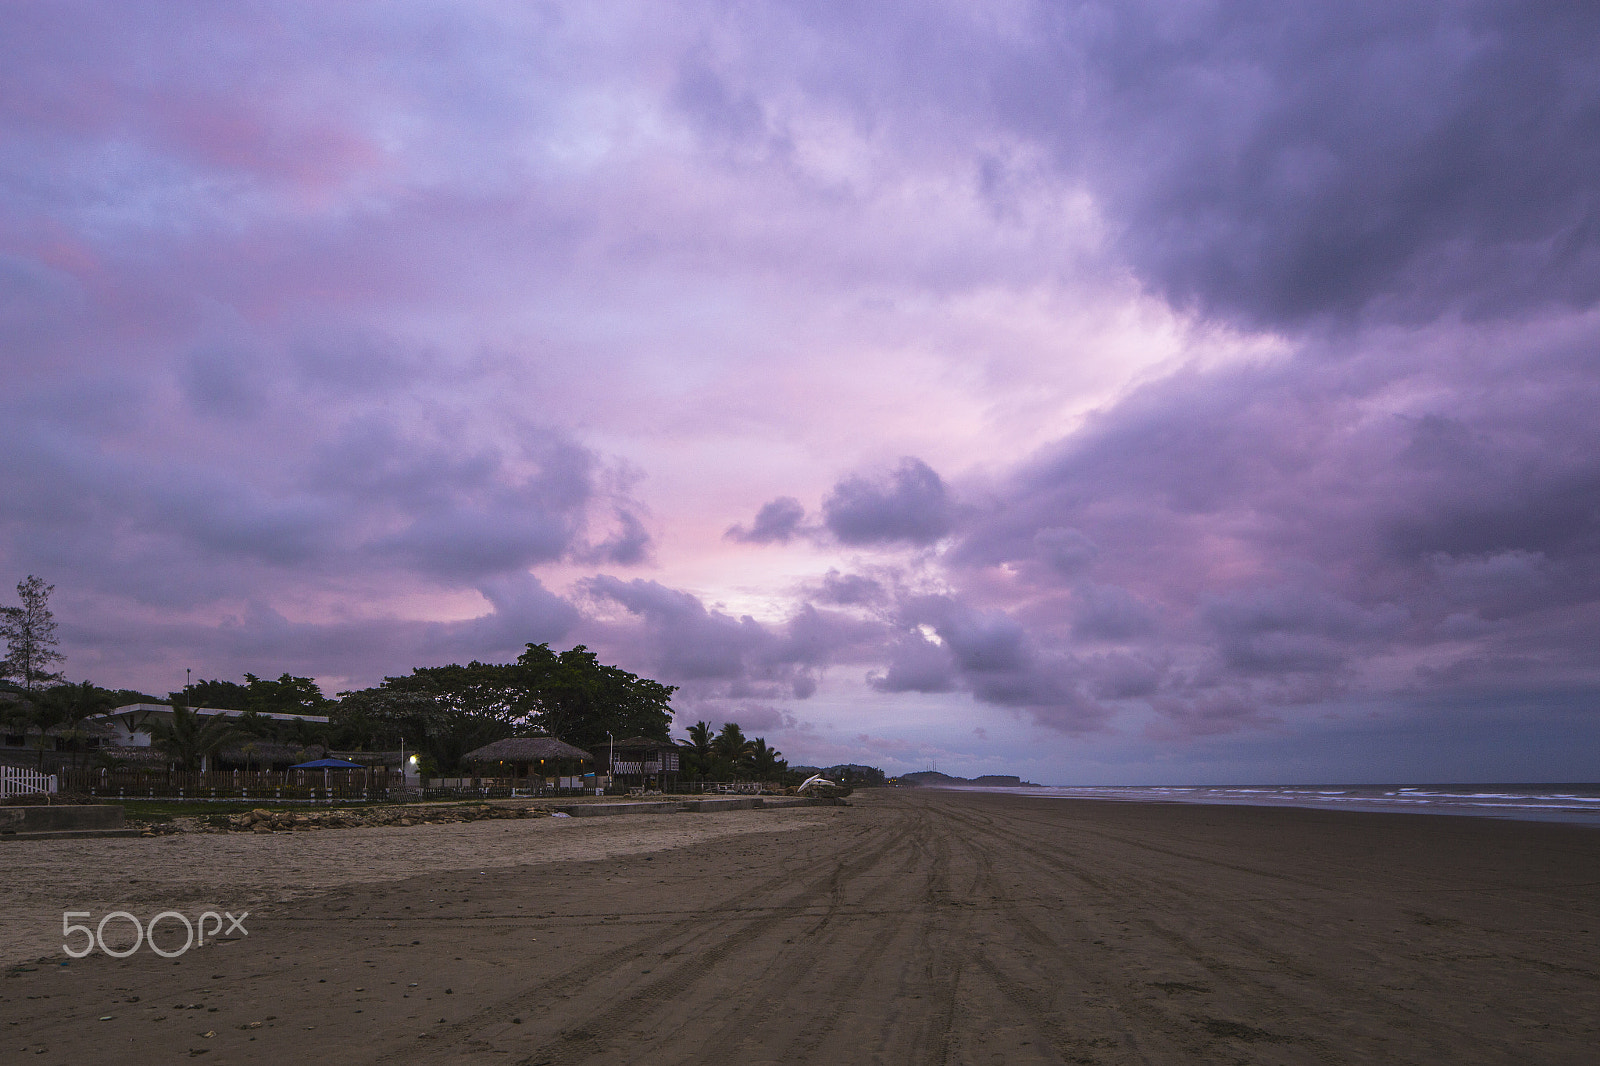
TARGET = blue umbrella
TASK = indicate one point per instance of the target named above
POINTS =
(331, 764)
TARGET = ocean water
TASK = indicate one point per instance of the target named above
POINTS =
(1576, 803)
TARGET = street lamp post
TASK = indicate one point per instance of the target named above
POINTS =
(611, 760)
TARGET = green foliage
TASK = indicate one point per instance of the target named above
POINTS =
(30, 635)
(730, 743)
(854, 774)
(225, 695)
(766, 764)
(699, 760)
(57, 712)
(68, 707)
(188, 738)
(251, 723)
(728, 755)
(287, 695)
(580, 700)
(447, 711)
(121, 697)
(258, 698)
(730, 752)
(441, 711)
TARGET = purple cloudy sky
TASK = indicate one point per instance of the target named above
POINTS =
(1122, 392)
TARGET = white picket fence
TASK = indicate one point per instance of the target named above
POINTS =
(15, 781)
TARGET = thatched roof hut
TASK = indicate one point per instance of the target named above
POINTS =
(542, 759)
(526, 750)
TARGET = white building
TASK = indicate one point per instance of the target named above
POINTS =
(126, 723)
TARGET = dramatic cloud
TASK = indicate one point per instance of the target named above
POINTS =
(1286, 161)
(687, 643)
(1244, 360)
(776, 522)
(911, 504)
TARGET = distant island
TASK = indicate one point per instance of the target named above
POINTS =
(934, 779)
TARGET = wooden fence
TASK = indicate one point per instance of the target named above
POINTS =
(731, 788)
(316, 785)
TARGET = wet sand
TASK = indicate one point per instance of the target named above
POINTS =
(911, 927)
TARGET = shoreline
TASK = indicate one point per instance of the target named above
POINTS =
(1580, 806)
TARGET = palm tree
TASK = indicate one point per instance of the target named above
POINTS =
(187, 739)
(767, 762)
(730, 747)
(699, 758)
(61, 708)
(70, 705)
(255, 729)
(25, 713)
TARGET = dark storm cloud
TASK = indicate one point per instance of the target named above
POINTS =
(910, 504)
(521, 509)
(992, 655)
(291, 326)
(629, 545)
(1410, 511)
(757, 718)
(915, 664)
(259, 639)
(1065, 550)
(1120, 676)
(1265, 161)
(849, 590)
(1105, 612)
(1287, 629)
(1284, 161)
(1283, 534)
(778, 521)
(685, 641)
(201, 513)
(224, 382)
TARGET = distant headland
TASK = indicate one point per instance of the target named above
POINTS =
(934, 779)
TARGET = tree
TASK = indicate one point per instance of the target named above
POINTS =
(188, 739)
(730, 743)
(30, 632)
(698, 760)
(223, 695)
(446, 711)
(287, 695)
(69, 706)
(766, 763)
(729, 750)
(442, 712)
(580, 700)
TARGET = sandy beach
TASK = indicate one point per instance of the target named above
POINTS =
(909, 927)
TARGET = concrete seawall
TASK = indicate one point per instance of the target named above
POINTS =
(67, 819)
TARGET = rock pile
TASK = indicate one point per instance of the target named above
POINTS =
(264, 821)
